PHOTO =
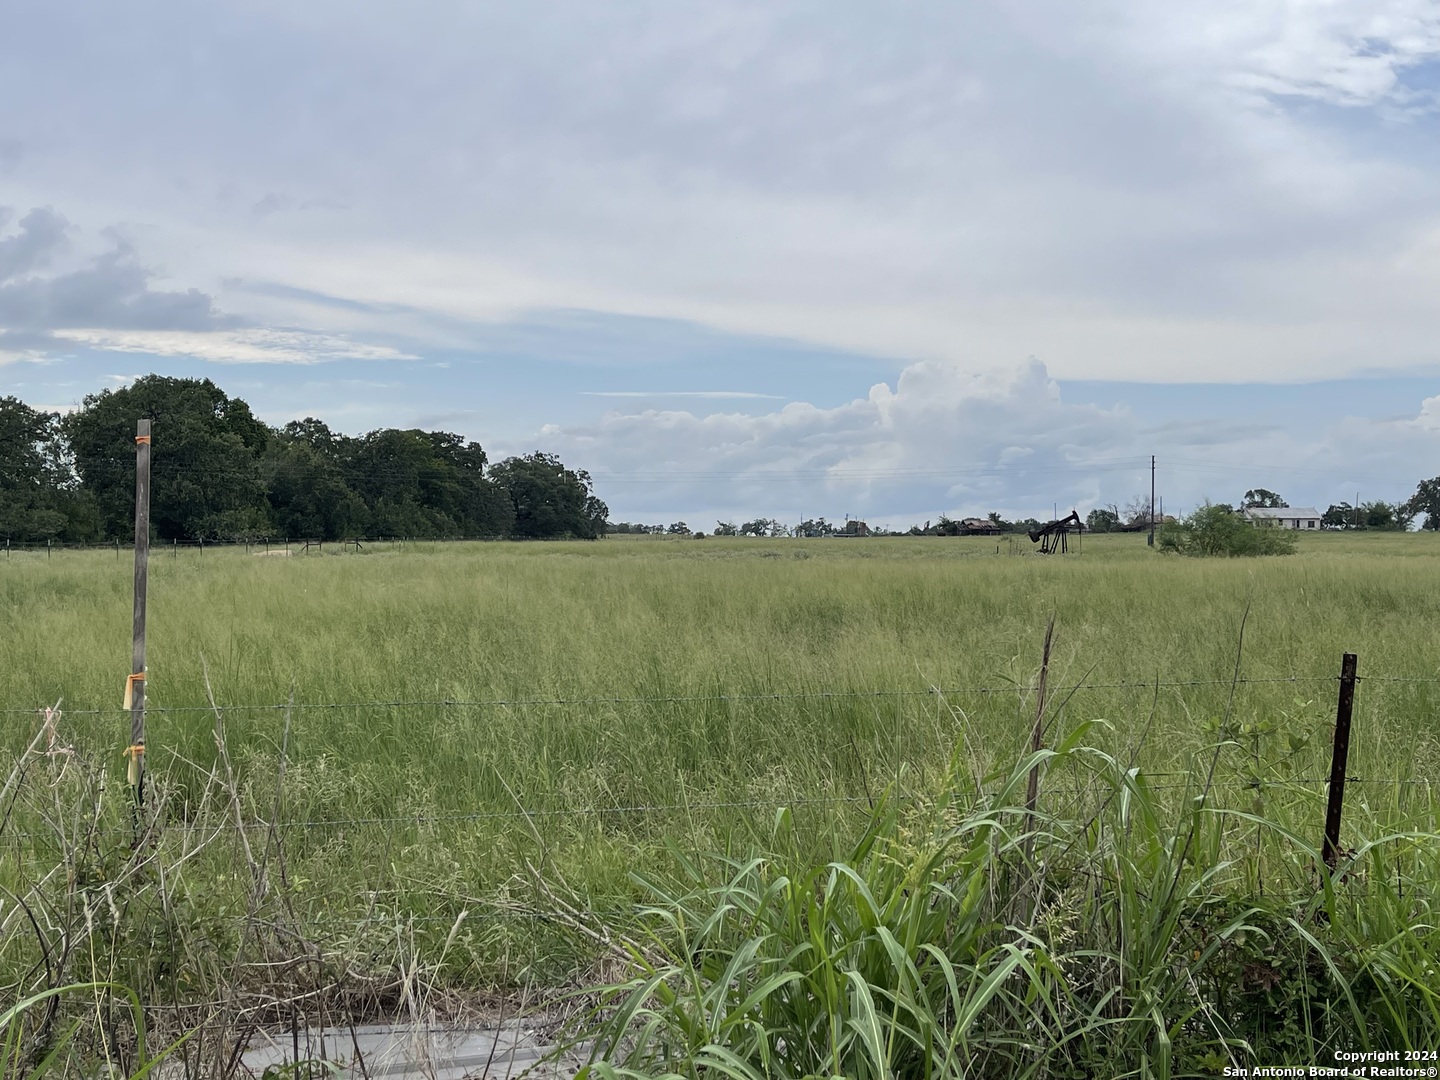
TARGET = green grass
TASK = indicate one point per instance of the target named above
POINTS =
(713, 680)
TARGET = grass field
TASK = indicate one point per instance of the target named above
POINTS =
(560, 717)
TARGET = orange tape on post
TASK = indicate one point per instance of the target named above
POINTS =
(143, 439)
(132, 770)
(130, 682)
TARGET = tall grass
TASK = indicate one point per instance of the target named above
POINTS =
(664, 699)
(939, 944)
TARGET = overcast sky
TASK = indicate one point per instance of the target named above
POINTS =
(755, 258)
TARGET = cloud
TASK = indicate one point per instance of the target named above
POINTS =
(681, 394)
(253, 346)
(111, 289)
(41, 235)
(107, 303)
(946, 440)
(1348, 53)
(1429, 418)
(1234, 191)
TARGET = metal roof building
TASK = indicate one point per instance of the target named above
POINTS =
(1284, 517)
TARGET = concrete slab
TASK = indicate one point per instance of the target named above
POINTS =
(410, 1052)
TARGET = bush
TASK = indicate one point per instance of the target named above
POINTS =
(1217, 530)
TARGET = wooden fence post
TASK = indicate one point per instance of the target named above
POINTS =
(1338, 760)
(1037, 740)
(135, 687)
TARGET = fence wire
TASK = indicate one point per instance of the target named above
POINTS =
(696, 699)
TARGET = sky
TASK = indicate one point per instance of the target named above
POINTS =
(741, 259)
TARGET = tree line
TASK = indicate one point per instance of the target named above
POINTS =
(218, 473)
(221, 474)
(1133, 516)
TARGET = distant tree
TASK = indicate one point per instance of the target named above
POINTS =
(1378, 515)
(1339, 516)
(725, 528)
(763, 527)
(1262, 497)
(1426, 500)
(206, 477)
(815, 527)
(1389, 517)
(1136, 511)
(1213, 530)
(947, 526)
(40, 495)
(1102, 520)
(550, 500)
(305, 466)
(1404, 516)
(678, 528)
(404, 483)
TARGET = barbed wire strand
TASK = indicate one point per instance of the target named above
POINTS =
(677, 699)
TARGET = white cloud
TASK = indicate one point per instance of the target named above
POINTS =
(1128, 189)
(1352, 53)
(946, 440)
(680, 394)
(257, 346)
(1429, 418)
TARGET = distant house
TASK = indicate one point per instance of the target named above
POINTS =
(855, 528)
(978, 527)
(1283, 517)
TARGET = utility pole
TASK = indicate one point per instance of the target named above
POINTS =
(135, 685)
(1150, 540)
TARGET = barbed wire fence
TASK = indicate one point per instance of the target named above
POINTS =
(294, 958)
(657, 701)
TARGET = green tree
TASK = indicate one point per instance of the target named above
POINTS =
(425, 483)
(1216, 530)
(309, 496)
(1102, 520)
(206, 475)
(1385, 516)
(1262, 497)
(40, 495)
(1378, 514)
(815, 527)
(947, 526)
(1339, 516)
(1426, 500)
(549, 500)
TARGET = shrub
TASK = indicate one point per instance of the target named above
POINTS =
(1217, 530)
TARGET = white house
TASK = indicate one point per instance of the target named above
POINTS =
(1284, 517)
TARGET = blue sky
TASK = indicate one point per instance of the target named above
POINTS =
(745, 259)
